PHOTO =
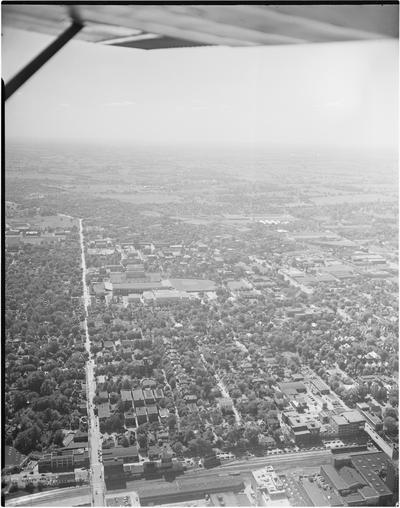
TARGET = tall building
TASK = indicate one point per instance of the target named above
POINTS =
(114, 476)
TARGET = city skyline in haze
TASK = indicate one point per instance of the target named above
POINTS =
(331, 94)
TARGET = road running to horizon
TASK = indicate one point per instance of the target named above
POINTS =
(94, 437)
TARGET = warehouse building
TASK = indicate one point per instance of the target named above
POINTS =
(185, 490)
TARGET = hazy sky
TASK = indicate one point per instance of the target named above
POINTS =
(320, 94)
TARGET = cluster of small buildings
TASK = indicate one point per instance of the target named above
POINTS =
(141, 405)
(183, 379)
(42, 231)
(311, 415)
(14, 238)
(130, 282)
(125, 348)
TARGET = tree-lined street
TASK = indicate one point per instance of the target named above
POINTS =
(96, 466)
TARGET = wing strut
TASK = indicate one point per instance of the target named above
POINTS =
(33, 66)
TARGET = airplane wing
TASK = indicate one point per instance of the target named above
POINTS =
(174, 26)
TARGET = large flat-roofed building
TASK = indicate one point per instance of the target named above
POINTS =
(127, 288)
(292, 388)
(373, 420)
(135, 271)
(193, 285)
(369, 466)
(168, 296)
(183, 490)
(114, 476)
(320, 386)
(367, 258)
(128, 454)
(63, 461)
(267, 482)
(357, 479)
(304, 429)
(331, 475)
(348, 423)
(315, 494)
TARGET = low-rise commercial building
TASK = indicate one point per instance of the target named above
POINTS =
(63, 461)
(320, 386)
(268, 482)
(128, 454)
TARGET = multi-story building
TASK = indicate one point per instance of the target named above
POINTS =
(304, 429)
(114, 476)
(372, 419)
(267, 483)
(63, 461)
(319, 386)
(348, 424)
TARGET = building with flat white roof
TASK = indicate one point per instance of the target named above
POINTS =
(267, 482)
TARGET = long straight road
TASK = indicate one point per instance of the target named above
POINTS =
(96, 467)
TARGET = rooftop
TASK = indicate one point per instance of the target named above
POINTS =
(351, 476)
(126, 395)
(136, 285)
(188, 487)
(335, 479)
(268, 480)
(353, 417)
(137, 394)
(315, 494)
(193, 285)
(120, 451)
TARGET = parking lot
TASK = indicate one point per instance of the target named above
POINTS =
(295, 492)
